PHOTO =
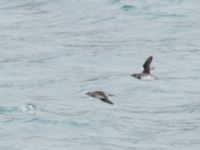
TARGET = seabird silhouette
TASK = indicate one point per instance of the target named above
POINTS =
(101, 95)
(146, 74)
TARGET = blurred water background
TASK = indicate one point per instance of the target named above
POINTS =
(54, 51)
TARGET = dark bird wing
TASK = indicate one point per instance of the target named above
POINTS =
(146, 65)
(106, 100)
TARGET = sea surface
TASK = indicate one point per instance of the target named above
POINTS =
(52, 52)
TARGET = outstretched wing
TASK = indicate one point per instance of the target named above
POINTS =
(106, 100)
(146, 65)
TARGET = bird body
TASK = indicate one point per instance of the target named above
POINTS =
(146, 74)
(100, 95)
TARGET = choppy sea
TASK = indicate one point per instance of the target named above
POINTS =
(52, 52)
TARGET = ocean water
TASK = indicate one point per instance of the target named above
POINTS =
(52, 52)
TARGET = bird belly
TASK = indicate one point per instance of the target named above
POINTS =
(147, 77)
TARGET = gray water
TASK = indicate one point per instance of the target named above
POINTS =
(52, 52)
